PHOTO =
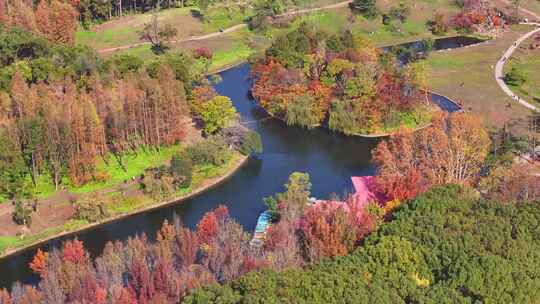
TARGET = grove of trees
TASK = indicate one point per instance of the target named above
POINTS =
(442, 242)
(443, 247)
(63, 109)
(308, 78)
(56, 20)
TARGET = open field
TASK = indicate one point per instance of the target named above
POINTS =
(466, 75)
(527, 61)
(125, 30)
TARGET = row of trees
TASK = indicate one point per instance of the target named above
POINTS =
(394, 264)
(56, 20)
(59, 130)
(308, 77)
(62, 109)
(218, 251)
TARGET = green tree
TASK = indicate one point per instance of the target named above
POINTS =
(216, 114)
(367, 8)
(251, 143)
(294, 199)
(14, 174)
(182, 169)
(515, 77)
(301, 112)
(22, 215)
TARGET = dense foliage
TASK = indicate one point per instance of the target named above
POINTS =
(56, 20)
(63, 110)
(443, 247)
(309, 78)
(138, 271)
(453, 150)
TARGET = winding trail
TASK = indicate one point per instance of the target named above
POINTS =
(499, 68)
(230, 29)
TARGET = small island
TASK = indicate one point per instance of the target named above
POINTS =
(308, 78)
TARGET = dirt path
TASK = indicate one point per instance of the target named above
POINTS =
(523, 10)
(228, 30)
(499, 68)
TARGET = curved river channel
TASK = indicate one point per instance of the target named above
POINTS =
(329, 158)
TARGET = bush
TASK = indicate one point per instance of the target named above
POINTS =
(439, 25)
(367, 8)
(23, 213)
(400, 12)
(91, 208)
(127, 63)
(212, 151)
(181, 169)
(242, 139)
(157, 187)
(515, 77)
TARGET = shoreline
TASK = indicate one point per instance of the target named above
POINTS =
(206, 185)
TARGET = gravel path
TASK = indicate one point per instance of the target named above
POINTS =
(228, 30)
(499, 68)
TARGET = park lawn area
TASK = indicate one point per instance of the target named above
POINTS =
(239, 51)
(12, 242)
(414, 28)
(527, 61)
(222, 18)
(125, 30)
(467, 75)
(531, 5)
(135, 164)
(228, 49)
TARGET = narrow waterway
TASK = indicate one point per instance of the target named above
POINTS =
(330, 159)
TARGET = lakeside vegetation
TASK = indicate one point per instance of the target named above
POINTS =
(92, 138)
(452, 212)
(405, 245)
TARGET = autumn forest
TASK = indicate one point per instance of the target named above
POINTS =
(321, 167)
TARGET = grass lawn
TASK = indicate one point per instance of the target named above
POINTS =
(135, 164)
(532, 5)
(11, 242)
(528, 62)
(121, 204)
(125, 30)
(467, 75)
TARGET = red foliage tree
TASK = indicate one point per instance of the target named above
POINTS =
(140, 280)
(207, 227)
(74, 252)
(39, 263)
(5, 298)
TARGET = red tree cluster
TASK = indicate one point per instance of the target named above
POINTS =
(56, 20)
(138, 271)
(453, 150)
(476, 15)
(58, 126)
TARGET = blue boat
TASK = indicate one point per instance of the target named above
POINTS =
(263, 223)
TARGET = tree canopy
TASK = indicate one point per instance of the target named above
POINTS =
(443, 247)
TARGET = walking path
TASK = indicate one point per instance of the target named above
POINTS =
(499, 68)
(230, 29)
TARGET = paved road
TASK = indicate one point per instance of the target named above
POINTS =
(499, 68)
(230, 29)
